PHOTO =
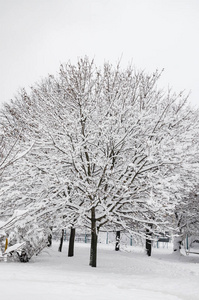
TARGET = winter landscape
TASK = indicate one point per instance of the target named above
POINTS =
(99, 152)
(127, 274)
(99, 162)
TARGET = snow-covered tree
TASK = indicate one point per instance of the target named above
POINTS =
(115, 142)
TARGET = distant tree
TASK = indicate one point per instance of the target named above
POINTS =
(61, 241)
(186, 220)
(71, 242)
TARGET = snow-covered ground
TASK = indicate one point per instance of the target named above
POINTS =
(127, 274)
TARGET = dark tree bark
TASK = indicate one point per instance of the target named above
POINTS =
(117, 244)
(148, 242)
(49, 244)
(61, 241)
(71, 242)
(177, 242)
(93, 249)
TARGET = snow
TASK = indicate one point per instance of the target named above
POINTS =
(14, 247)
(127, 274)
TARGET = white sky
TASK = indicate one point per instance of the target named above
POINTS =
(37, 35)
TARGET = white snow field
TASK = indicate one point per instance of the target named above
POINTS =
(126, 274)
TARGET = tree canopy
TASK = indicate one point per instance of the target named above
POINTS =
(106, 150)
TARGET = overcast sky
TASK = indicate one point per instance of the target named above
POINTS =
(37, 35)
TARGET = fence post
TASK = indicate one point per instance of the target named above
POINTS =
(6, 246)
(187, 242)
(131, 241)
(107, 238)
(85, 238)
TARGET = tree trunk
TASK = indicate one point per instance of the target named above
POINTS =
(61, 241)
(117, 244)
(177, 242)
(71, 242)
(49, 244)
(93, 249)
(148, 242)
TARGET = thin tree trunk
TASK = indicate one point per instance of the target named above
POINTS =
(49, 244)
(177, 242)
(117, 244)
(61, 241)
(71, 242)
(148, 242)
(93, 249)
